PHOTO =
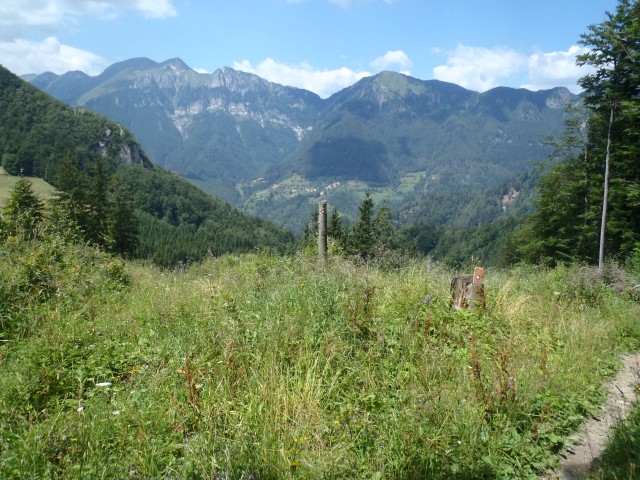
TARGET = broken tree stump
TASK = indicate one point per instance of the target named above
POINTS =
(467, 291)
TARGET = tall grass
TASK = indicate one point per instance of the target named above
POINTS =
(273, 367)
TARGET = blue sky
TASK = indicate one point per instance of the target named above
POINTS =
(320, 45)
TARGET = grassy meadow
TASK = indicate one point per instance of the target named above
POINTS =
(271, 367)
(42, 189)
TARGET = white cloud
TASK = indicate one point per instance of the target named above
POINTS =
(391, 59)
(155, 8)
(24, 56)
(480, 68)
(322, 82)
(40, 21)
(19, 18)
(200, 70)
(548, 70)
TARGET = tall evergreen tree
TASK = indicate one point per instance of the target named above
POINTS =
(335, 229)
(311, 228)
(592, 194)
(23, 211)
(122, 223)
(97, 204)
(612, 95)
(71, 203)
(385, 232)
(362, 237)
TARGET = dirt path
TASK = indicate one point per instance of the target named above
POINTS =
(594, 432)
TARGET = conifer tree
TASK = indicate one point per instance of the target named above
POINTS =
(70, 203)
(23, 211)
(384, 230)
(97, 204)
(122, 223)
(311, 229)
(612, 95)
(591, 198)
(362, 237)
(335, 228)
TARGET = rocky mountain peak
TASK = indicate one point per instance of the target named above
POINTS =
(558, 98)
(234, 80)
(176, 65)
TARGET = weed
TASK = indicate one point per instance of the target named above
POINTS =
(268, 367)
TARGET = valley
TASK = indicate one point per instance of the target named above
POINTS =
(225, 130)
(168, 308)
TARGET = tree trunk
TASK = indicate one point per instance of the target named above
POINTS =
(605, 195)
(467, 291)
(322, 232)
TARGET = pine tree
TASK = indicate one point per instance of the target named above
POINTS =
(122, 223)
(591, 199)
(71, 205)
(24, 211)
(97, 204)
(612, 96)
(386, 233)
(362, 237)
(335, 228)
(311, 229)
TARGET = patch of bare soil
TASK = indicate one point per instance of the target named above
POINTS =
(593, 434)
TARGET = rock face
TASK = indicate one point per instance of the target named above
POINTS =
(234, 126)
(227, 125)
(229, 128)
(131, 154)
(128, 150)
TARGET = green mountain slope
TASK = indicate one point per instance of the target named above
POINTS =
(275, 151)
(42, 189)
(425, 146)
(227, 126)
(388, 125)
(179, 222)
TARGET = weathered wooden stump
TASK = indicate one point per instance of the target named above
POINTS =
(467, 291)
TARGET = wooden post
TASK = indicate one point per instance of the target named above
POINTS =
(322, 231)
(475, 291)
(467, 291)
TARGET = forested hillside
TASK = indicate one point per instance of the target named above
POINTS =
(226, 126)
(100, 170)
(275, 151)
(588, 206)
(256, 365)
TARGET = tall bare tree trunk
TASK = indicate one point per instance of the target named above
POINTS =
(605, 195)
(322, 232)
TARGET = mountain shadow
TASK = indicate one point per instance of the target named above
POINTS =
(350, 158)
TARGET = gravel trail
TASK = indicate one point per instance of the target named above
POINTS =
(594, 432)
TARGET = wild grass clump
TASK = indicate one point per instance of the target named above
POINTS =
(274, 367)
(621, 458)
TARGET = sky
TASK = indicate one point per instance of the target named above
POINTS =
(319, 45)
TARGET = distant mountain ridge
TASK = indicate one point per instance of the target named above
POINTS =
(42, 137)
(270, 149)
(388, 125)
(227, 124)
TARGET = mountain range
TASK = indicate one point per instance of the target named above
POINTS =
(42, 137)
(273, 150)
